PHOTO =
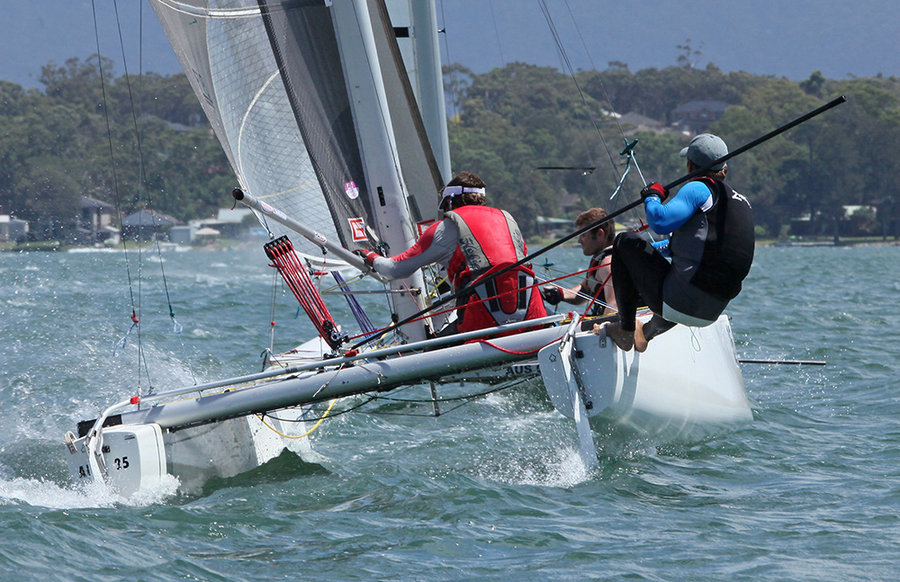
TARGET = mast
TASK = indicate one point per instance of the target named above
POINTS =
(431, 81)
(314, 108)
(381, 162)
(416, 27)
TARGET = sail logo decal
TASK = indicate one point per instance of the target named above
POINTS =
(271, 210)
(741, 198)
(351, 190)
(357, 229)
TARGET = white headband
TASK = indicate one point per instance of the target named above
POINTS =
(451, 191)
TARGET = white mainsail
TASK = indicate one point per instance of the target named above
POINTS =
(312, 104)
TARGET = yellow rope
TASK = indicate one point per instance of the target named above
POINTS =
(307, 433)
(434, 290)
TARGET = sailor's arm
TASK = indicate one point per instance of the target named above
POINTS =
(575, 295)
(669, 217)
(436, 245)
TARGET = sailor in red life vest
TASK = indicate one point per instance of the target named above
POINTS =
(472, 241)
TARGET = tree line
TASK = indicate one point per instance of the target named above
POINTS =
(509, 125)
(136, 141)
(514, 119)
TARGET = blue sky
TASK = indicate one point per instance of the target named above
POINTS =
(842, 38)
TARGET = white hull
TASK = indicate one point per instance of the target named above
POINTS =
(138, 457)
(199, 433)
(228, 448)
(687, 386)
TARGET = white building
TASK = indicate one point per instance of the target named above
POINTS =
(12, 229)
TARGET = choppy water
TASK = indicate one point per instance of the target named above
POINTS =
(492, 491)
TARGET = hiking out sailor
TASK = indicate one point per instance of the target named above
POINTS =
(597, 284)
(711, 247)
(471, 242)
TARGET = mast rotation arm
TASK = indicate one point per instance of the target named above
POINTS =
(315, 237)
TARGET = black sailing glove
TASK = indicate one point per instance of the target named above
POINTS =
(655, 189)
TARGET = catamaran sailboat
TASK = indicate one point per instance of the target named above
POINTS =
(331, 113)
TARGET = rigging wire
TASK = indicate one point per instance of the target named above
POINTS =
(143, 189)
(356, 309)
(529, 182)
(463, 399)
(455, 116)
(593, 66)
(275, 282)
(568, 66)
(136, 304)
(496, 31)
(115, 178)
(628, 151)
(629, 148)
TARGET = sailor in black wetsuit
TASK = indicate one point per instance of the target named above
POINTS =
(597, 244)
(711, 245)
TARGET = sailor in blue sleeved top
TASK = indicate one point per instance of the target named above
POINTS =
(711, 247)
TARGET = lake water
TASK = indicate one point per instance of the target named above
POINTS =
(491, 491)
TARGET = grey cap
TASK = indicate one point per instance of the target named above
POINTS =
(704, 150)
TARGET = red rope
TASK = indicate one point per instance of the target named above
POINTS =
(588, 270)
(596, 293)
(295, 274)
(383, 329)
(495, 346)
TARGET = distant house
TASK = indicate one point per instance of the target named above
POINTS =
(697, 116)
(95, 222)
(183, 235)
(229, 222)
(12, 229)
(641, 123)
(549, 226)
(148, 225)
(233, 214)
(853, 221)
(568, 201)
(206, 235)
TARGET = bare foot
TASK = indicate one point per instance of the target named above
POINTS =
(623, 339)
(640, 342)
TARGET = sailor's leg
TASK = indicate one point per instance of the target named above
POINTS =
(640, 340)
(643, 333)
(638, 272)
(624, 339)
(657, 326)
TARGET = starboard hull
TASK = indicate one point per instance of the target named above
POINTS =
(687, 386)
(140, 457)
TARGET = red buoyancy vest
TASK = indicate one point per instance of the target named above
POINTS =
(490, 240)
